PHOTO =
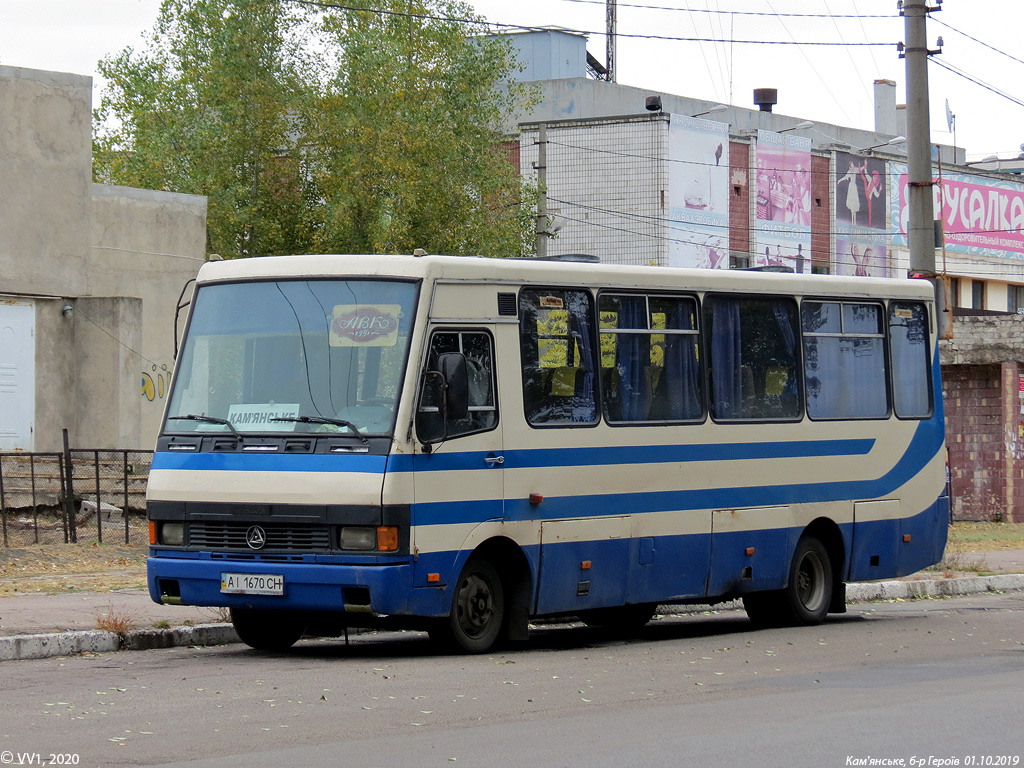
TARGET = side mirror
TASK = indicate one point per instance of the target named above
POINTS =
(452, 366)
(445, 397)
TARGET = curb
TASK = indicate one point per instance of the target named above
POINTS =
(44, 646)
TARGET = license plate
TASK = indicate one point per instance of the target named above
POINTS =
(252, 583)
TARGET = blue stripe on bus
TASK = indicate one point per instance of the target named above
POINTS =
(926, 441)
(514, 459)
(272, 462)
(539, 458)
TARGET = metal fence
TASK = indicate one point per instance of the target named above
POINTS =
(81, 495)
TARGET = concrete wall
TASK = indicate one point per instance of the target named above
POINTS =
(118, 257)
(107, 333)
(148, 245)
(46, 162)
(984, 399)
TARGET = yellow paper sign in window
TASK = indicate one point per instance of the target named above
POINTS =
(365, 325)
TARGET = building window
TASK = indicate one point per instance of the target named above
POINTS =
(1015, 299)
(978, 294)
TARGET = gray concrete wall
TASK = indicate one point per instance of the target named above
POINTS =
(147, 244)
(107, 333)
(46, 167)
(118, 256)
(984, 340)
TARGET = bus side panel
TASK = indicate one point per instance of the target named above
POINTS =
(927, 534)
(583, 564)
(881, 547)
(750, 549)
(669, 568)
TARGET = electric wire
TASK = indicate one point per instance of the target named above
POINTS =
(595, 33)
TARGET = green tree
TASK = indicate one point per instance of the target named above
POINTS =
(314, 130)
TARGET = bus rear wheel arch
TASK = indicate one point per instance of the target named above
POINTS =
(806, 598)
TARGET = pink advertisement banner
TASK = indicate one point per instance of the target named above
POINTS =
(979, 216)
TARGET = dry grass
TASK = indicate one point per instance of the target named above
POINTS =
(52, 568)
(986, 537)
(956, 559)
(116, 621)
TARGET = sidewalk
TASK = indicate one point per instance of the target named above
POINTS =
(35, 626)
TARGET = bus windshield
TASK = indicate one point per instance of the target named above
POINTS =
(293, 356)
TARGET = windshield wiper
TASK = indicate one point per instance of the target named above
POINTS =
(323, 420)
(209, 419)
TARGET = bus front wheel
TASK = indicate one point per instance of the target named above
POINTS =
(267, 630)
(477, 612)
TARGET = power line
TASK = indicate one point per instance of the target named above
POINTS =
(957, 71)
(976, 40)
(531, 28)
(739, 13)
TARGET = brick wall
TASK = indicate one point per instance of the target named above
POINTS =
(740, 219)
(821, 206)
(982, 418)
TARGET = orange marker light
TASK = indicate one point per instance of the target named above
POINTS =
(906, 537)
(585, 565)
(433, 578)
(750, 551)
(536, 498)
(152, 531)
(387, 538)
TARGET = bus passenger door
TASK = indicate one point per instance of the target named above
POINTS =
(459, 483)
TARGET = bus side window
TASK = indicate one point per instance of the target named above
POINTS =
(754, 358)
(908, 346)
(556, 334)
(844, 360)
(650, 362)
(477, 348)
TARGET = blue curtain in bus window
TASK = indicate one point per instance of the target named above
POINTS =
(726, 359)
(584, 408)
(908, 344)
(633, 355)
(681, 364)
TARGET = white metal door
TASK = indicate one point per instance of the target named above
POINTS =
(17, 375)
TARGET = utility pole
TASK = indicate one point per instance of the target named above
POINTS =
(610, 23)
(542, 199)
(921, 227)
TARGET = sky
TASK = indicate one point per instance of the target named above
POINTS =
(770, 44)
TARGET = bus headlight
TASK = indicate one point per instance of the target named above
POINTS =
(172, 534)
(358, 538)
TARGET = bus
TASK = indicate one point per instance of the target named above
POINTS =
(463, 444)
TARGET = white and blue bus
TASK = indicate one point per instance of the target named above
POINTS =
(462, 444)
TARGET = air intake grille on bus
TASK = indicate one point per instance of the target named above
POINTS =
(507, 304)
(280, 538)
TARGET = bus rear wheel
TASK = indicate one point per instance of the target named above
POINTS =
(267, 630)
(477, 612)
(805, 599)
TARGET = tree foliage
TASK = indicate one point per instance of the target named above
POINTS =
(313, 129)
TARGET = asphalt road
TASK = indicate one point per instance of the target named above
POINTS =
(932, 679)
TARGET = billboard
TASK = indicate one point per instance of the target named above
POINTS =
(980, 216)
(861, 216)
(698, 191)
(783, 201)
